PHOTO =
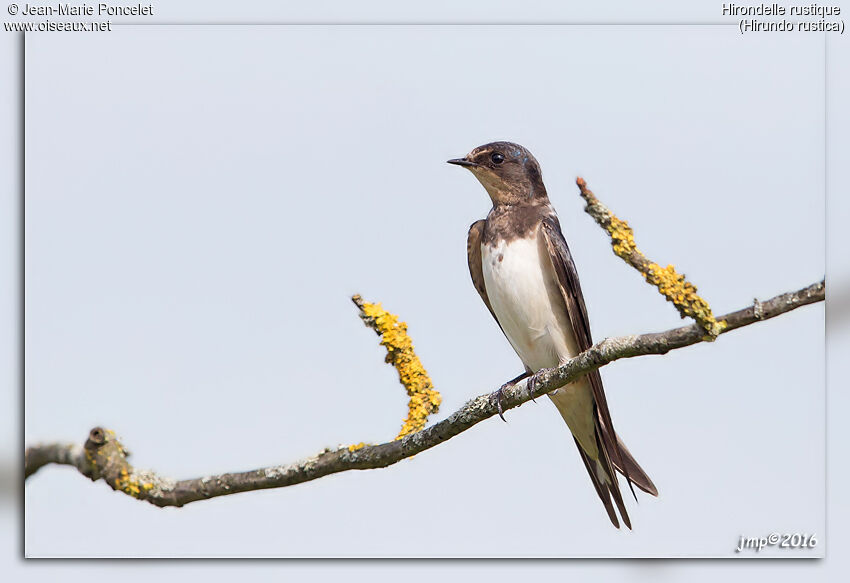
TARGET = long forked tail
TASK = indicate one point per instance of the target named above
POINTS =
(602, 473)
(601, 450)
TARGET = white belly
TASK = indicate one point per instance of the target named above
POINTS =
(523, 292)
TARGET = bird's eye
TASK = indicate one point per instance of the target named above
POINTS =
(497, 158)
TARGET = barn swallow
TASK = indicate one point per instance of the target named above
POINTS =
(522, 268)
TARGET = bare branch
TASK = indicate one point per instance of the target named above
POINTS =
(103, 456)
(52, 453)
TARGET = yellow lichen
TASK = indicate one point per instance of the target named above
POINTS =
(356, 446)
(671, 284)
(424, 400)
(129, 486)
(622, 237)
(684, 296)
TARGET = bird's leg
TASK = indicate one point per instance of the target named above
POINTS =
(532, 383)
(507, 385)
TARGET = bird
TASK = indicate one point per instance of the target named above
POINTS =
(522, 268)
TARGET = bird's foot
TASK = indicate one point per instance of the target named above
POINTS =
(499, 399)
(532, 384)
(507, 385)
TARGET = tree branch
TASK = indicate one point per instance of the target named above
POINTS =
(424, 400)
(672, 285)
(103, 456)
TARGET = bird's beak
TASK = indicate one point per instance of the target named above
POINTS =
(462, 162)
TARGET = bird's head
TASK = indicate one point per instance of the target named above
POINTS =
(509, 173)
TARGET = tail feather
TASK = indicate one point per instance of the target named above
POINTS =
(601, 450)
(604, 480)
(601, 489)
(607, 469)
(632, 471)
(635, 472)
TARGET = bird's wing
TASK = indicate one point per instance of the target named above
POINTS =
(570, 287)
(473, 254)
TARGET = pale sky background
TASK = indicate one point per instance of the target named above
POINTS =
(202, 201)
